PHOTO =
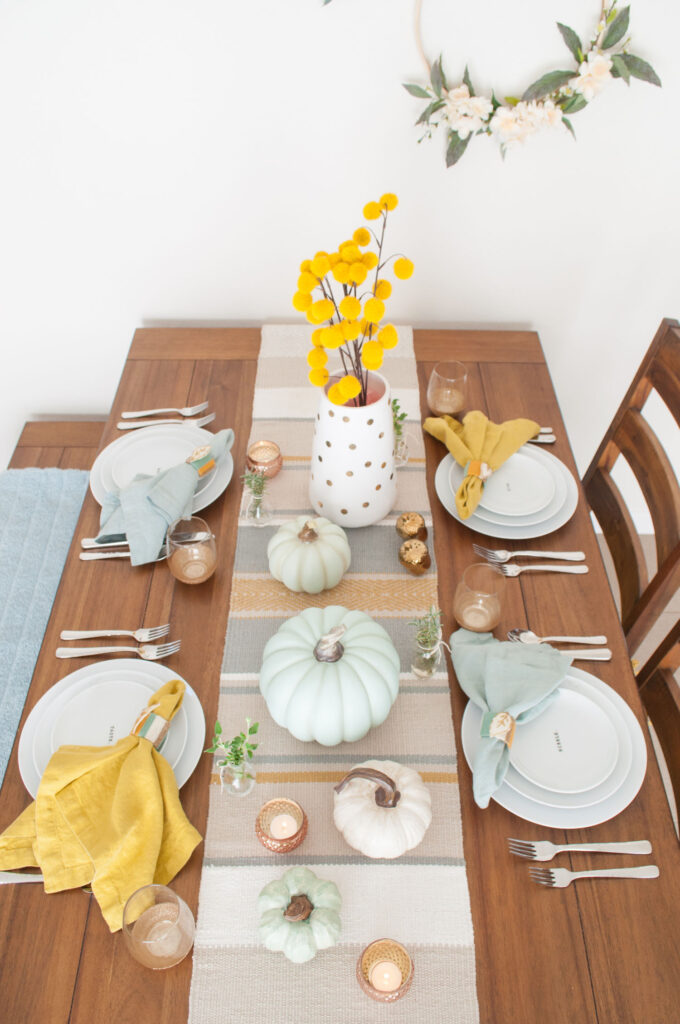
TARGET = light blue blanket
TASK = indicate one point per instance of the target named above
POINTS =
(39, 509)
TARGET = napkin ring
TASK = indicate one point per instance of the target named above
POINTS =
(202, 459)
(476, 467)
(151, 727)
(498, 725)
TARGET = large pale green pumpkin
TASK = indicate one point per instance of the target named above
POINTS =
(299, 914)
(329, 690)
(309, 554)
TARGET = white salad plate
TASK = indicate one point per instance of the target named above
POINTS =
(150, 450)
(83, 709)
(615, 798)
(556, 514)
(520, 487)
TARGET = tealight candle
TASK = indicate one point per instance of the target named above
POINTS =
(282, 826)
(264, 457)
(386, 976)
(385, 970)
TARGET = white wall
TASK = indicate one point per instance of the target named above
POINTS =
(172, 162)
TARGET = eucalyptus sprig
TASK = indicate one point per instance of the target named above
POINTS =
(398, 418)
(237, 751)
(428, 628)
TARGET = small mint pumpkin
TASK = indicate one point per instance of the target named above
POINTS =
(299, 914)
(309, 554)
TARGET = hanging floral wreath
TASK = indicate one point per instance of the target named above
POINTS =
(462, 113)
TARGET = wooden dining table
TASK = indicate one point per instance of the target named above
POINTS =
(599, 950)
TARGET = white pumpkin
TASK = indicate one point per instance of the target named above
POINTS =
(329, 675)
(309, 554)
(299, 914)
(382, 808)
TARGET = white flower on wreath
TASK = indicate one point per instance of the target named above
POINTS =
(515, 124)
(465, 113)
(593, 75)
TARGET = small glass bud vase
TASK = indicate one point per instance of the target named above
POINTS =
(258, 511)
(426, 659)
(401, 452)
(237, 781)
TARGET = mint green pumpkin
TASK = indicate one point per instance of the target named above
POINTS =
(309, 554)
(299, 914)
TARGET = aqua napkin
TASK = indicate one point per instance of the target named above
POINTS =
(499, 677)
(142, 511)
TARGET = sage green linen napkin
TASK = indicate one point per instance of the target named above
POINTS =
(142, 511)
(503, 677)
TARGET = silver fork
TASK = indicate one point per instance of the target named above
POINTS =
(98, 556)
(526, 636)
(143, 636)
(515, 570)
(157, 423)
(544, 850)
(505, 556)
(559, 878)
(146, 651)
(188, 410)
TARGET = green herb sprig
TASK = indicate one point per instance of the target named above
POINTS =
(398, 418)
(428, 628)
(237, 751)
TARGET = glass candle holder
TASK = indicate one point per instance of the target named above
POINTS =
(158, 927)
(477, 603)
(447, 389)
(281, 825)
(192, 554)
(264, 457)
(385, 971)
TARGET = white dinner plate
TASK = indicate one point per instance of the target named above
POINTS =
(569, 817)
(175, 442)
(555, 505)
(598, 793)
(521, 486)
(513, 530)
(569, 748)
(38, 728)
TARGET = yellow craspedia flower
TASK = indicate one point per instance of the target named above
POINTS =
(316, 337)
(374, 310)
(302, 301)
(322, 310)
(306, 282)
(383, 289)
(387, 336)
(370, 260)
(318, 377)
(371, 211)
(317, 358)
(305, 265)
(320, 265)
(357, 273)
(350, 253)
(350, 330)
(332, 337)
(349, 387)
(362, 236)
(389, 200)
(372, 355)
(333, 258)
(341, 272)
(350, 307)
(403, 268)
(366, 328)
(348, 241)
(335, 395)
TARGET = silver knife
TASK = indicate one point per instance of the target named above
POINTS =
(18, 876)
(597, 654)
(135, 424)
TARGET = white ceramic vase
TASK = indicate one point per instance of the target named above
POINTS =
(353, 478)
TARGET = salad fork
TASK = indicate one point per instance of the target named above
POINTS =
(559, 878)
(544, 850)
(188, 410)
(148, 652)
(514, 570)
(143, 636)
(505, 556)
(133, 425)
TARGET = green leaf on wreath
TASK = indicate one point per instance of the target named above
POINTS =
(572, 40)
(567, 124)
(617, 29)
(429, 111)
(641, 69)
(417, 90)
(456, 148)
(576, 102)
(511, 101)
(437, 77)
(547, 84)
(620, 69)
(466, 81)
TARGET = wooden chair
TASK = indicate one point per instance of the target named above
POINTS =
(630, 436)
(661, 697)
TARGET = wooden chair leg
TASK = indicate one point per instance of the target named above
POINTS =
(661, 697)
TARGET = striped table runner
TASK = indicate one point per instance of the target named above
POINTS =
(421, 899)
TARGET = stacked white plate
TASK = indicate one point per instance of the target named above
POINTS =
(532, 494)
(98, 705)
(151, 450)
(579, 763)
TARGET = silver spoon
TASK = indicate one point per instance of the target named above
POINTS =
(526, 636)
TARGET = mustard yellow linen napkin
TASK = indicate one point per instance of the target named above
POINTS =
(109, 817)
(477, 442)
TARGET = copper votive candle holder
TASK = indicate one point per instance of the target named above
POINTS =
(264, 457)
(281, 808)
(392, 954)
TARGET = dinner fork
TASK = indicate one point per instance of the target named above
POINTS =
(147, 651)
(492, 555)
(188, 410)
(514, 570)
(143, 636)
(559, 878)
(544, 850)
(158, 423)
(526, 636)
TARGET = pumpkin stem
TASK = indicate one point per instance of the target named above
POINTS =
(383, 797)
(308, 533)
(329, 648)
(299, 908)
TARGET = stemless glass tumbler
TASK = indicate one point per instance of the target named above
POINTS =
(158, 927)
